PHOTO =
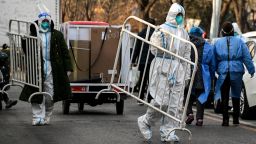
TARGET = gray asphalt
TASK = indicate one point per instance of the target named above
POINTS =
(100, 125)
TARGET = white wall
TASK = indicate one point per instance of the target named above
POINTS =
(23, 10)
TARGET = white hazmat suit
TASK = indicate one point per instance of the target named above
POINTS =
(42, 112)
(166, 84)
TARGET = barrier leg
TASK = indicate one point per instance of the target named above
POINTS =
(40, 93)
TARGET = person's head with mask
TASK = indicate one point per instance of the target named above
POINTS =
(44, 22)
(196, 36)
(176, 15)
(196, 31)
(227, 29)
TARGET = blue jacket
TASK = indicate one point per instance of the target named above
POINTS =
(238, 55)
(207, 71)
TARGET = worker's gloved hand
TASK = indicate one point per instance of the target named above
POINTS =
(157, 28)
(68, 73)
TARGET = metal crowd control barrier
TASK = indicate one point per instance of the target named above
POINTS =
(25, 57)
(190, 66)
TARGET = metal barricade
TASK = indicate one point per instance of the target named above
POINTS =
(166, 60)
(25, 57)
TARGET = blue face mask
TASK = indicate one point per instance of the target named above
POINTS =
(45, 25)
(179, 19)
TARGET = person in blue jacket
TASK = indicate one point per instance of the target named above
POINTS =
(230, 54)
(204, 75)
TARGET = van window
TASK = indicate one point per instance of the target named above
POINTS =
(251, 45)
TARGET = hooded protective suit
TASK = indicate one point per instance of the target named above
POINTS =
(42, 112)
(56, 63)
(161, 85)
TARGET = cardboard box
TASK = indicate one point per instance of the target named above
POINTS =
(103, 56)
(81, 63)
(95, 57)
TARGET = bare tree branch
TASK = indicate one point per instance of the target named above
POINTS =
(225, 8)
(149, 6)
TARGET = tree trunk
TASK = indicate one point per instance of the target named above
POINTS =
(145, 8)
(224, 10)
(238, 14)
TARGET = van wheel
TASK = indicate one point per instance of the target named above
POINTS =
(65, 106)
(244, 106)
(120, 107)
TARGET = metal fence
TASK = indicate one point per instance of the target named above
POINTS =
(25, 56)
(167, 59)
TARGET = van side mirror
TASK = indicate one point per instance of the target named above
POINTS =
(251, 46)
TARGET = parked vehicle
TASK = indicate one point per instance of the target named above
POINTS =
(250, 35)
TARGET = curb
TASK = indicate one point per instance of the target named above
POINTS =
(242, 122)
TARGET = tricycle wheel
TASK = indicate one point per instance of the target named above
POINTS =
(80, 107)
(120, 107)
(65, 106)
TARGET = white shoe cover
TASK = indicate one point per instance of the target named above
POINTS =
(47, 120)
(171, 138)
(144, 128)
(37, 121)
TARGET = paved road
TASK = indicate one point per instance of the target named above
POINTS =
(100, 125)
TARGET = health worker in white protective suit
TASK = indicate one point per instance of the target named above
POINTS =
(57, 66)
(161, 86)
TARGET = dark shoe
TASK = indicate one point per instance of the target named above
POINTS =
(199, 122)
(10, 103)
(190, 119)
(225, 123)
(236, 121)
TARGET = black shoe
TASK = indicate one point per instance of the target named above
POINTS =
(10, 103)
(236, 122)
(190, 119)
(199, 122)
(225, 123)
